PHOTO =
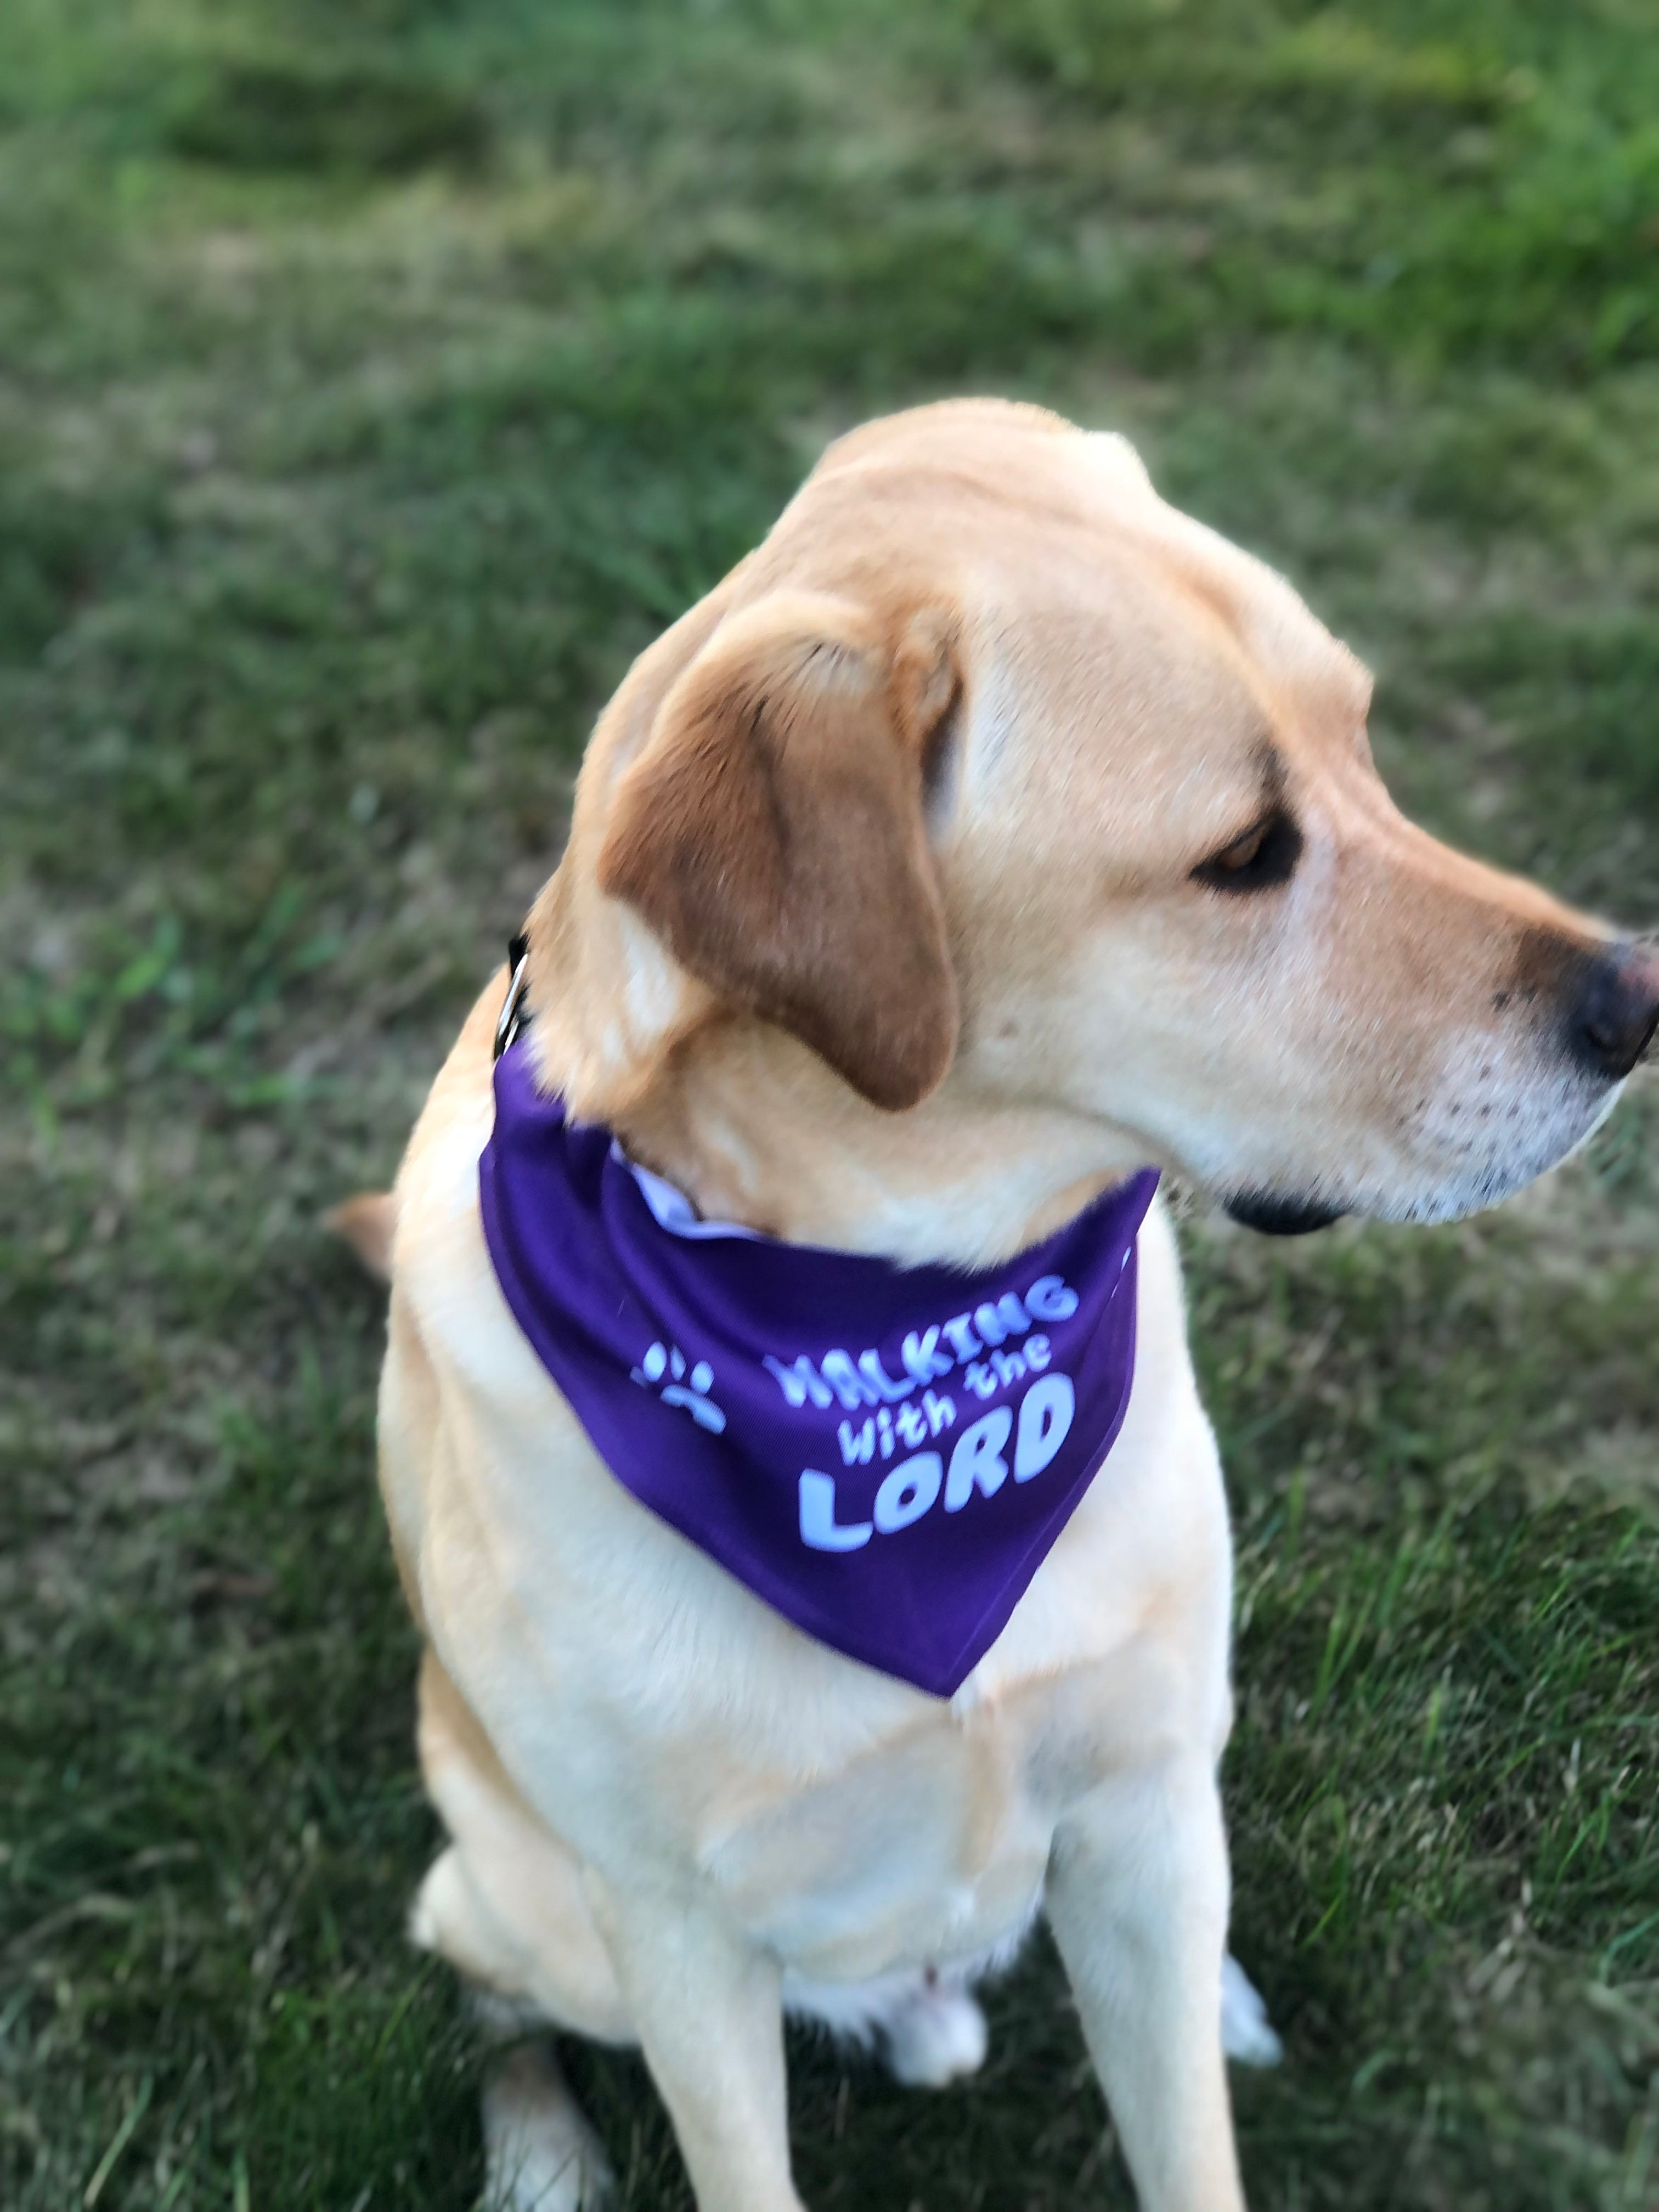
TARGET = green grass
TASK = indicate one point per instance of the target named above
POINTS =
(376, 376)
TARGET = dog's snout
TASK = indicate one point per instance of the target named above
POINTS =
(1614, 1009)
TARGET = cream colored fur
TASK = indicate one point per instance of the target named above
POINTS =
(670, 1813)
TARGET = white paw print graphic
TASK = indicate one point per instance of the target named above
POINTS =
(660, 1360)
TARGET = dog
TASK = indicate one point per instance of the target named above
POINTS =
(993, 833)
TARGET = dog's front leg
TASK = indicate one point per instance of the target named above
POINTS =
(1137, 1896)
(708, 2008)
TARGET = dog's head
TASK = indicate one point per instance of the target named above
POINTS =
(989, 776)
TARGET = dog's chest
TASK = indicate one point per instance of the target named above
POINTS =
(929, 1850)
(656, 1715)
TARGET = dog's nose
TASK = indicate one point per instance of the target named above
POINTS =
(1610, 1024)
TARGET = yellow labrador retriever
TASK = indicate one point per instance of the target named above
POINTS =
(993, 831)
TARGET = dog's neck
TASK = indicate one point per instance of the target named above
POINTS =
(755, 1129)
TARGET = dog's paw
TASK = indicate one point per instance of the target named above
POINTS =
(934, 2036)
(540, 2155)
(1246, 2033)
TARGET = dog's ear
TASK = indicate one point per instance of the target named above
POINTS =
(771, 831)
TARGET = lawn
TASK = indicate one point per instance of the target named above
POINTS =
(376, 377)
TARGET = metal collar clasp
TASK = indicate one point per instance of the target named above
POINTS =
(514, 1013)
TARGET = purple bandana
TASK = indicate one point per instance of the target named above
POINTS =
(884, 1454)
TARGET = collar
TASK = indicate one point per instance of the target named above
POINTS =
(515, 1006)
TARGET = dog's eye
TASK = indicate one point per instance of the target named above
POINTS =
(1264, 856)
